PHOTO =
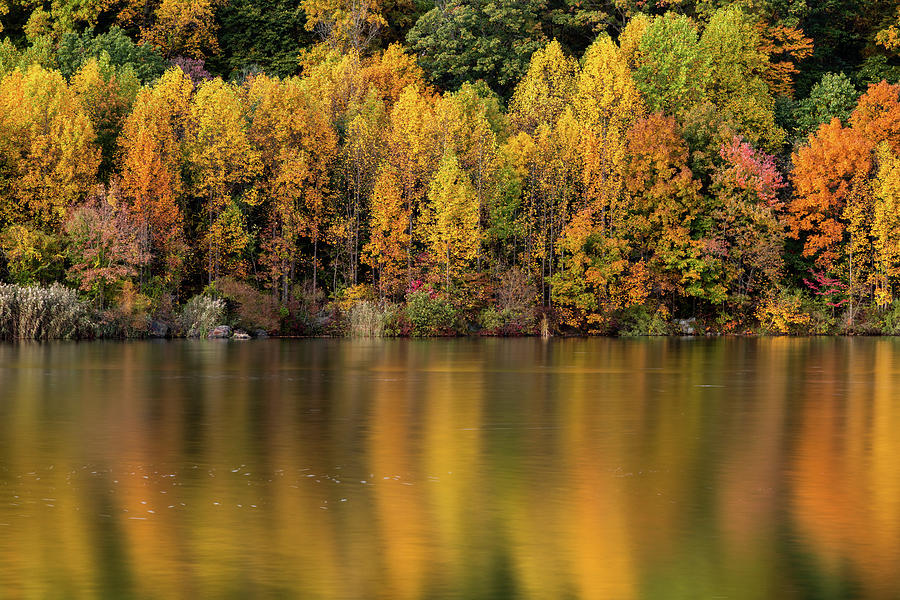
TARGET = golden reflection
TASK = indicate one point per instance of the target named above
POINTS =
(588, 469)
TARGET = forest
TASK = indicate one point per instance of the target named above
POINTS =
(492, 167)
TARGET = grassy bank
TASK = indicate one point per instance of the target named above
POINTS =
(57, 312)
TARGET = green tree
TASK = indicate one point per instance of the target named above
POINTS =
(671, 71)
(76, 49)
(833, 97)
(467, 40)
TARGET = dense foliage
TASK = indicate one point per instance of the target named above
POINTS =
(401, 167)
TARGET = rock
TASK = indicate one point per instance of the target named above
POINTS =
(686, 326)
(159, 329)
(261, 334)
(220, 333)
(241, 335)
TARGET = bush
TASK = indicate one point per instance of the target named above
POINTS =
(200, 315)
(889, 323)
(129, 318)
(506, 322)
(43, 313)
(252, 309)
(638, 321)
(430, 314)
(783, 313)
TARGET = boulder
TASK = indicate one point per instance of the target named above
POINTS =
(220, 333)
(686, 326)
(241, 335)
(261, 334)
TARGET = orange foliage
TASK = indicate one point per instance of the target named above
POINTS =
(827, 171)
(877, 115)
(785, 46)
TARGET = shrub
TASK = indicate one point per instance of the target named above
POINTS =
(130, 318)
(43, 313)
(506, 321)
(252, 308)
(348, 297)
(889, 323)
(200, 315)
(430, 314)
(783, 313)
(638, 321)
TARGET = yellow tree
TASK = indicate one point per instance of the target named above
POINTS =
(151, 162)
(546, 90)
(361, 157)
(224, 163)
(345, 24)
(297, 146)
(450, 220)
(413, 153)
(387, 249)
(465, 130)
(606, 103)
(182, 27)
(886, 224)
(630, 39)
(392, 71)
(337, 81)
(48, 149)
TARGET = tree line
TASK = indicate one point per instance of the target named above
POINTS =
(666, 171)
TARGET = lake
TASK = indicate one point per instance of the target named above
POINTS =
(470, 469)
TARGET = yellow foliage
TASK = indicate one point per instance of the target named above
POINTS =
(184, 27)
(450, 220)
(781, 312)
(47, 145)
(546, 90)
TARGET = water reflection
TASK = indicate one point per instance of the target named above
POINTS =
(589, 469)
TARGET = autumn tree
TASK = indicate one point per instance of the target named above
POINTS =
(223, 164)
(297, 145)
(831, 208)
(177, 27)
(107, 95)
(413, 153)
(546, 89)
(465, 130)
(390, 72)
(360, 159)
(736, 64)
(748, 234)
(663, 223)
(886, 225)
(877, 114)
(828, 173)
(31, 255)
(48, 149)
(607, 103)
(389, 239)
(450, 224)
(345, 24)
(151, 163)
(102, 246)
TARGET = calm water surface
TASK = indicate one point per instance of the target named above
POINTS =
(581, 469)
